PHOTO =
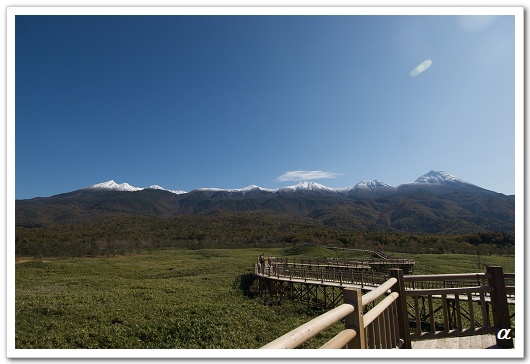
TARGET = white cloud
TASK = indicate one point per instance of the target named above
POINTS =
(305, 175)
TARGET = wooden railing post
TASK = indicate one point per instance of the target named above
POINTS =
(499, 306)
(355, 320)
(402, 315)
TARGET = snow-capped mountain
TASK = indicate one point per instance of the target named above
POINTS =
(111, 185)
(436, 202)
(372, 185)
(307, 186)
(433, 178)
(157, 187)
(251, 188)
(439, 178)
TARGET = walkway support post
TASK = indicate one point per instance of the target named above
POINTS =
(355, 320)
(403, 320)
(499, 305)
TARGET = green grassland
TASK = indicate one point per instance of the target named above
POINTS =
(173, 298)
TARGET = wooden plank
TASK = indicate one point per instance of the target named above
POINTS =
(453, 333)
(440, 344)
(390, 342)
(417, 315)
(355, 320)
(471, 313)
(453, 343)
(487, 341)
(395, 323)
(499, 304)
(382, 331)
(465, 342)
(431, 344)
(431, 314)
(446, 291)
(421, 344)
(371, 336)
(483, 307)
(377, 335)
(458, 313)
(402, 318)
(475, 342)
(447, 277)
(445, 313)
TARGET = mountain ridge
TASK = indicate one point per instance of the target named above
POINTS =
(440, 205)
(431, 178)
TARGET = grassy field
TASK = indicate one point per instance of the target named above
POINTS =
(174, 298)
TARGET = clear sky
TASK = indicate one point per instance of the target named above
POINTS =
(187, 102)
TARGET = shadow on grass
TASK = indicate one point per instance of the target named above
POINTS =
(248, 284)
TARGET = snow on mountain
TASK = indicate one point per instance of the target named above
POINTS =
(431, 178)
(372, 185)
(439, 178)
(236, 190)
(111, 185)
(256, 188)
(157, 187)
(307, 186)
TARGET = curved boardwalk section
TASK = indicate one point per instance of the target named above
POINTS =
(434, 306)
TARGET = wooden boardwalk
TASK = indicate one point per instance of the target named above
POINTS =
(368, 284)
(447, 308)
(465, 342)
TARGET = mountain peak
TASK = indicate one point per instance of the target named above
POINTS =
(434, 178)
(439, 178)
(255, 188)
(111, 185)
(306, 186)
(375, 184)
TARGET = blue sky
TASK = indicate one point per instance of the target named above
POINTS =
(228, 101)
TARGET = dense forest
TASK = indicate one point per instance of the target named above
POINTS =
(119, 235)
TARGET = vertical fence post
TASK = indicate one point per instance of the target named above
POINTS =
(499, 304)
(355, 320)
(403, 320)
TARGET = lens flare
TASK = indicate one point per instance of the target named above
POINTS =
(423, 66)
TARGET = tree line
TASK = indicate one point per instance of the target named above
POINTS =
(134, 234)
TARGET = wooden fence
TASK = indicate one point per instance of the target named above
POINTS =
(322, 274)
(382, 264)
(452, 305)
(461, 297)
(379, 327)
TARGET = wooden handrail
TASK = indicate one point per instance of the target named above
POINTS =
(302, 333)
(447, 277)
(389, 317)
(340, 261)
(379, 308)
(340, 340)
(447, 291)
(372, 295)
(296, 337)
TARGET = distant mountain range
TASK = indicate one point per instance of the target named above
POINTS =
(436, 202)
(431, 178)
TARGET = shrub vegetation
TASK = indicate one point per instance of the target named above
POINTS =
(172, 298)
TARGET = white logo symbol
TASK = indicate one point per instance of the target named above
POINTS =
(504, 334)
